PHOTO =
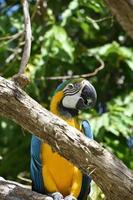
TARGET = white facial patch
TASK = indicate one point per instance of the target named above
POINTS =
(89, 101)
(70, 101)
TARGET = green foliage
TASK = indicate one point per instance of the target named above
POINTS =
(113, 127)
(14, 149)
(57, 45)
(68, 36)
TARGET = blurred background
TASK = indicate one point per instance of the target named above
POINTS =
(68, 38)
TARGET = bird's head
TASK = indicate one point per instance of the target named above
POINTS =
(74, 95)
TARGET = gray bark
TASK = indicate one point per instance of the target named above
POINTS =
(123, 11)
(10, 190)
(110, 174)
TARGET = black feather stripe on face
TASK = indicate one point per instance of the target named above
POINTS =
(63, 85)
(71, 91)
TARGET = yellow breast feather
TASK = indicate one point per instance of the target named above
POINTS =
(58, 173)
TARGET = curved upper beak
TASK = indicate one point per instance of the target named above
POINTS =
(88, 96)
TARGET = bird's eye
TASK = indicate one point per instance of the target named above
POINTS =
(77, 85)
(70, 86)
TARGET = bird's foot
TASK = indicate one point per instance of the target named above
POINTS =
(70, 197)
(48, 198)
(57, 196)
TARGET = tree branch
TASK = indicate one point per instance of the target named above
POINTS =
(40, 9)
(110, 174)
(21, 78)
(10, 190)
(11, 37)
(123, 11)
(27, 47)
(95, 72)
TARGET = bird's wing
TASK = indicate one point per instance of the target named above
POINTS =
(87, 129)
(36, 166)
(85, 189)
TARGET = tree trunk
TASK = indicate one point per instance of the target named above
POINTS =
(123, 11)
(110, 174)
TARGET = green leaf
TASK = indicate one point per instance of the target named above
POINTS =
(58, 45)
(130, 63)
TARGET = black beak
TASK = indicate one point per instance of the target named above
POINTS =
(88, 97)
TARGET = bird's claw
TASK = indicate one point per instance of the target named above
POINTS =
(70, 197)
(57, 196)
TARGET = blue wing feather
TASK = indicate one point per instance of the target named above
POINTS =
(36, 166)
(85, 189)
(87, 129)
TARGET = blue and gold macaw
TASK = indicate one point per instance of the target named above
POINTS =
(51, 173)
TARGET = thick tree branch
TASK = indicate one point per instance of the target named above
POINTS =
(123, 11)
(10, 190)
(113, 177)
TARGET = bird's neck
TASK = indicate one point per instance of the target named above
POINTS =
(69, 115)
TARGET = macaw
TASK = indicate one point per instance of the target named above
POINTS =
(51, 173)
